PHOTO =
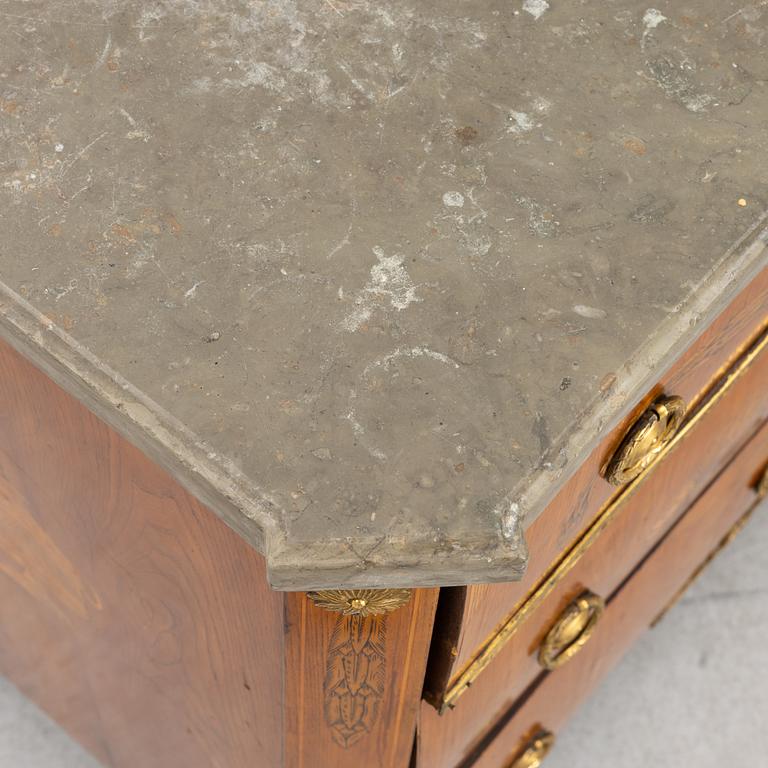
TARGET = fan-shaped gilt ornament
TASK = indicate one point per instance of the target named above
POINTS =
(360, 602)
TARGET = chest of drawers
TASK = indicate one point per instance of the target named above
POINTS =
(146, 626)
(371, 374)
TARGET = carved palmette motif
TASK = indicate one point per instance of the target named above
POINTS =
(354, 676)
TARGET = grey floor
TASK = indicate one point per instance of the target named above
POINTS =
(693, 692)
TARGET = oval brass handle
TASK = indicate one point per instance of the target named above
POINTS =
(645, 439)
(571, 631)
(536, 749)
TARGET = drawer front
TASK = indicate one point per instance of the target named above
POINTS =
(472, 615)
(708, 525)
(623, 534)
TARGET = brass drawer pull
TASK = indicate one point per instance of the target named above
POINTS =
(645, 439)
(571, 631)
(534, 751)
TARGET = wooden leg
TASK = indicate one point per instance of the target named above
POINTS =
(353, 684)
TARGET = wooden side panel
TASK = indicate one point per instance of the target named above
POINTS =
(553, 696)
(487, 606)
(353, 685)
(128, 611)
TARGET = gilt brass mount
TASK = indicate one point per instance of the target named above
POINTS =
(645, 439)
(571, 631)
(360, 602)
(534, 751)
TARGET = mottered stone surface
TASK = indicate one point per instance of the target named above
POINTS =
(372, 278)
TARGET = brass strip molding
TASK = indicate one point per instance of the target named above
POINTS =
(501, 637)
(761, 488)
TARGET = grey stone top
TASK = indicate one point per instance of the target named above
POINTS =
(372, 278)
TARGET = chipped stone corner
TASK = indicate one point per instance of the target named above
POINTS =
(510, 520)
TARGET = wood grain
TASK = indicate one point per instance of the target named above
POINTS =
(630, 612)
(483, 608)
(128, 611)
(639, 522)
(353, 685)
